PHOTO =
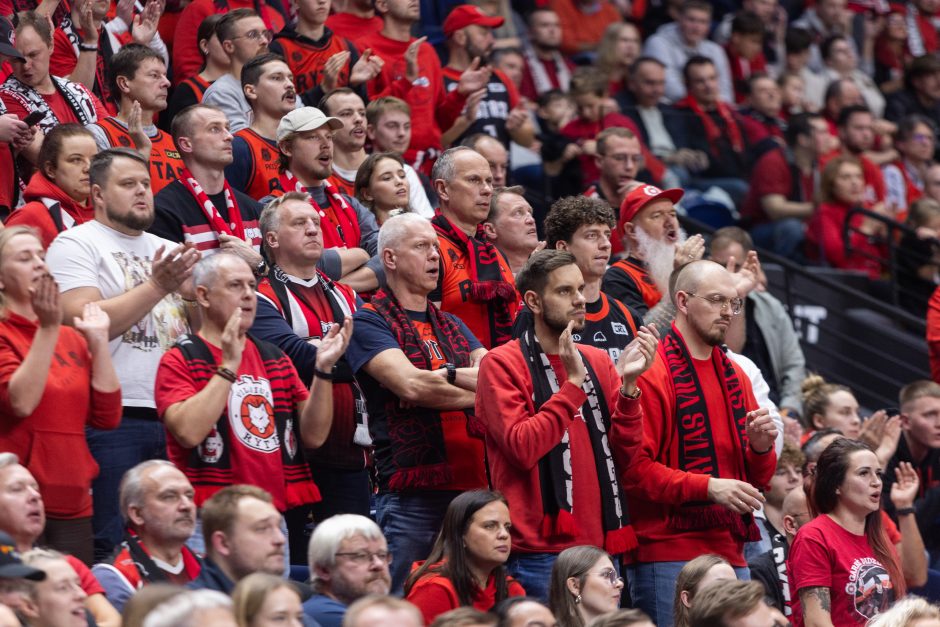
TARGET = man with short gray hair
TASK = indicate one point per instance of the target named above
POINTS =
(417, 369)
(474, 279)
(233, 406)
(348, 559)
(156, 501)
(511, 226)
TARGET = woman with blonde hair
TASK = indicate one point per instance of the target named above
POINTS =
(263, 600)
(909, 612)
(58, 600)
(693, 577)
(619, 48)
(54, 381)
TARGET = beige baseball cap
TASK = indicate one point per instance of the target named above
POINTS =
(305, 119)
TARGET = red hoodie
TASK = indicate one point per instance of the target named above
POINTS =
(39, 195)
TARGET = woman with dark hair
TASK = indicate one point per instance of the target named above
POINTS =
(584, 586)
(841, 189)
(382, 184)
(466, 565)
(215, 63)
(58, 195)
(842, 563)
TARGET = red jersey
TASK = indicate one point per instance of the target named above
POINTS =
(59, 106)
(165, 163)
(353, 27)
(345, 186)
(306, 57)
(261, 167)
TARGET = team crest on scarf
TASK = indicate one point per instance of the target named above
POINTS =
(251, 409)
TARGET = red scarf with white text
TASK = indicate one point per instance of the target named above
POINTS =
(341, 229)
(216, 221)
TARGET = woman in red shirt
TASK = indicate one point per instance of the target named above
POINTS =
(842, 563)
(54, 380)
(466, 565)
(842, 188)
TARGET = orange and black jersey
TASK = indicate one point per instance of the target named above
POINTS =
(165, 163)
(306, 58)
(187, 93)
(608, 325)
(630, 283)
(254, 167)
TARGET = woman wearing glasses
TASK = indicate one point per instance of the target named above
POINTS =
(585, 585)
(466, 565)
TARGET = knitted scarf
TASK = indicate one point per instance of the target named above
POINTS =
(696, 443)
(419, 456)
(341, 229)
(712, 132)
(487, 283)
(540, 77)
(555, 468)
(216, 221)
(76, 96)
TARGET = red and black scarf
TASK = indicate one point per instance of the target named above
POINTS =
(213, 216)
(697, 453)
(417, 437)
(712, 131)
(487, 283)
(341, 229)
(555, 472)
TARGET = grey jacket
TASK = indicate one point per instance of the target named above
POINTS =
(783, 345)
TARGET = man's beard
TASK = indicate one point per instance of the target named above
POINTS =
(659, 257)
(130, 220)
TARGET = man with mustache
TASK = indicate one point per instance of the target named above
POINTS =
(138, 74)
(707, 450)
(348, 142)
(350, 232)
(269, 89)
(201, 208)
(158, 508)
(139, 279)
(655, 246)
(348, 559)
(547, 411)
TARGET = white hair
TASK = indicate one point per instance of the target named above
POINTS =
(207, 269)
(183, 609)
(329, 534)
(395, 229)
(8, 459)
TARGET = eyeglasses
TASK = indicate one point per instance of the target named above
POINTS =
(365, 557)
(923, 137)
(721, 302)
(255, 35)
(611, 576)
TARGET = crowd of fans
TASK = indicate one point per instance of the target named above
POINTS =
(379, 313)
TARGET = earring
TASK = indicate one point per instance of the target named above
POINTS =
(577, 600)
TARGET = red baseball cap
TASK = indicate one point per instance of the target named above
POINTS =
(641, 196)
(467, 15)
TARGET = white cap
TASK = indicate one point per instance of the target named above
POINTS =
(305, 119)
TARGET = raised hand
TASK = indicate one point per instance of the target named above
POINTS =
(366, 68)
(125, 11)
(331, 69)
(135, 128)
(233, 341)
(904, 488)
(738, 496)
(473, 104)
(45, 300)
(83, 16)
(411, 59)
(169, 271)
(94, 324)
(474, 77)
(747, 277)
(690, 250)
(517, 117)
(638, 355)
(333, 345)
(145, 25)
(238, 246)
(761, 430)
(571, 357)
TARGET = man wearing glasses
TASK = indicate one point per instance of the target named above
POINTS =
(243, 36)
(349, 559)
(694, 482)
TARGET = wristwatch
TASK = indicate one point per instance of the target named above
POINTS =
(451, 373)
(261, 269)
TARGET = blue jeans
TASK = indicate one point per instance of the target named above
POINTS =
(784, 237)
(343, 492)
(134, 441)
(653, 588)
(410, 522)
(533, 571)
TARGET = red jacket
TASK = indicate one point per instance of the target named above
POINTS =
(654, 483)
(434, 594)
(51, 441)
(517, 438)
(825, 241)
(36, 214)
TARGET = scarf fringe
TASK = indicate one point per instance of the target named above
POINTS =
(559, 525)
(713, 516)
(621, 540)
(492, 290)
(420, 477)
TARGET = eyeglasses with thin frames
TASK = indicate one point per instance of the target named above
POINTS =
(611, 576)
(366, 557)
(736, 304)
(255, 35)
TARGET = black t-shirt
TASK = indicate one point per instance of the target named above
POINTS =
(179, 218)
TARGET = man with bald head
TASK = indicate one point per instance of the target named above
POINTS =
(707, 450)
(475, 281)
(494, 153)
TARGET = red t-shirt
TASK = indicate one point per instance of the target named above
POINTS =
(353, 27)
(255, 454)
(772, 175)
(827, 555)
(60, 107)
(933, 334)
(434, 595)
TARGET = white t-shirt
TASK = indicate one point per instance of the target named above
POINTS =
(95, 255)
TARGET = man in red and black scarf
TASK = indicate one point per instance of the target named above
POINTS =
(475, 281)
(548, 411)
(417, 367)
(707, 450)
(714, 127)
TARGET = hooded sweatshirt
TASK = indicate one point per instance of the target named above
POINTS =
(49, 209)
